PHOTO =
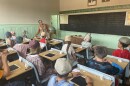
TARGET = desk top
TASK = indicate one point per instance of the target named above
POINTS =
(54, 42)
(79, 49)
(122, 64)
(18, 71)
(53, 58)
(96, 79)
(2, 45)
(12, 52)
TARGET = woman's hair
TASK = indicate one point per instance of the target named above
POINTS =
(100, 51)
(39, 21)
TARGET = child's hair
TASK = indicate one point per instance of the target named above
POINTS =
(124, 45)
(39, 21)
(8, 34)
(100, 51)
(62, 76)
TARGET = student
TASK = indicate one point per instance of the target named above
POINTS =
(43, 38)
(24, 34)
(13, 35)
(67, 48)
(34, 58)
(3, 64)
(87, 41)
(8, 39)
(101, 64)
(63, 68)
(5, 71)
(122, 52)
(20, 47)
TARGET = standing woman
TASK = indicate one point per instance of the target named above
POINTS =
(43, 28)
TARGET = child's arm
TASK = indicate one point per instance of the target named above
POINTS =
(116, 66)
(5, 64)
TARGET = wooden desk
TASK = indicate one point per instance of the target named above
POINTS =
(3, 46)
(96, 79)
(18, 71)
(53, 58)
(38, 39)
(12, 52)
(122, 64)
(79, 49)
(54, 42)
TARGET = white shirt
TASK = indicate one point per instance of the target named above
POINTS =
(70, 52)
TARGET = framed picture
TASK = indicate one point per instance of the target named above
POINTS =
(105, 0)
(92, 2)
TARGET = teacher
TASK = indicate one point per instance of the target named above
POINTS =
(43, 28)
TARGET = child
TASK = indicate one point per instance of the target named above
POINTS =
(5, 71)
(20, 47)
(13, 35)
(87, 41)
(67, 48)
(3, 64)
(101, 64)
(34, 57)
(43, 38)
(24, 34)
(122, 52)
(63, 68)
(9, 41)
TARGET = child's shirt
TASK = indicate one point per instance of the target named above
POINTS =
(105, 67)
(122, 53)
(43, 40)
(1, 74)
(22, 49)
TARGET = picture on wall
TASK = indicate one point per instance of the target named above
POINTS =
(92, 2)
(105, 0)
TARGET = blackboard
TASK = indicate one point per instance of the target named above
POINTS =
(104, 23)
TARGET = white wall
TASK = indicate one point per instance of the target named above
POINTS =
(27, 11)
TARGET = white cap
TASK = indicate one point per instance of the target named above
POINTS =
(125, 40)
(67, 38)
(63, 66)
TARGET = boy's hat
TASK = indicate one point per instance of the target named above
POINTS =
(43, 34)
(63, 66)
(124, 40)
(67, 38)
(34, 44)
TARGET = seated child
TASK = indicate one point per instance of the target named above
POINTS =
(122, 52)
(43, 38)
(8, 39)
(5, 71)
(35, 58)
(69, 50)
(20, 47)
(63, 68)
(101, 64)
(13, 35)
(87, 41)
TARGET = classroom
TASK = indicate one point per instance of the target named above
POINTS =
(65, 43)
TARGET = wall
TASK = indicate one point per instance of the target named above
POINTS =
(22, 15)
(72, 7)
(82, 4)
